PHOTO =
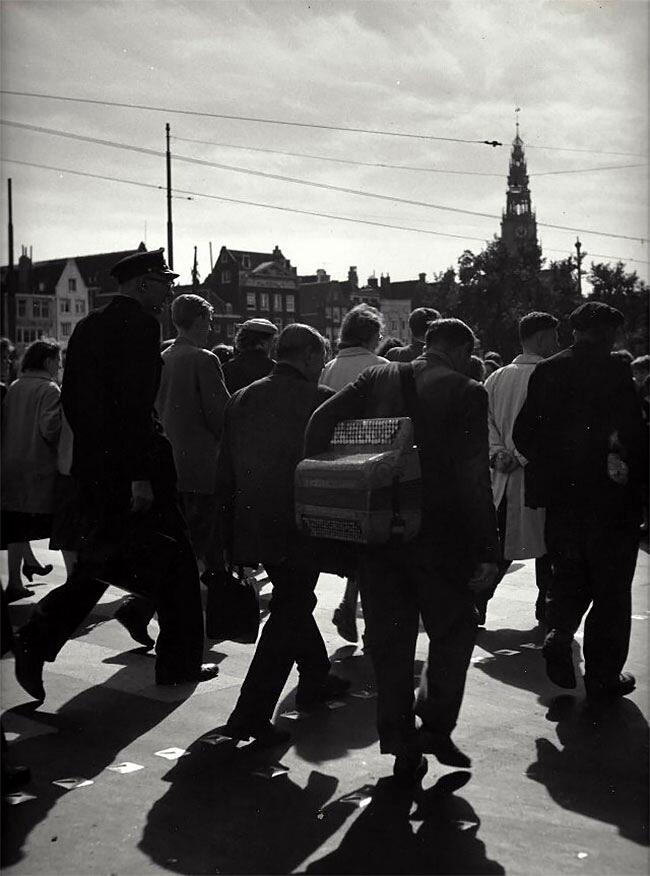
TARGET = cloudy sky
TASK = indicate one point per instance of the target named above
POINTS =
(451, 70)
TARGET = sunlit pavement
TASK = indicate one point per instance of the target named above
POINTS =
(556, 787)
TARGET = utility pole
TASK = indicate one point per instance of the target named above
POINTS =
(579, 257)
(195, 271)
(8, 310)
(170, 227)
(211, 261)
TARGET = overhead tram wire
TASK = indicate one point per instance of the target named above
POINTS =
(199, 113)
(194, 194)
(281, 178)
(261, 121)
(381, 164)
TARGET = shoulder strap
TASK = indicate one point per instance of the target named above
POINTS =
(410, 395)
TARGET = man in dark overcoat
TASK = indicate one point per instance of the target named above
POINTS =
(581, 431)
(437, 574)
(136, 535)
(252, 359)
(261, 446)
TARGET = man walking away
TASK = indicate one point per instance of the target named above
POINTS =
(262, 444)
(438, 574)
(521, 529)
(124, 465)
(419, 320)
(581, 431)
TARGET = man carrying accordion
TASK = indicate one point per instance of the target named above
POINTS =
(437, 572)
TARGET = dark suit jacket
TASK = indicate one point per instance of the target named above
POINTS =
(246, 367)
(405, 354)
(264, 428)
(458, 513)
(110, 382)
(576, 400)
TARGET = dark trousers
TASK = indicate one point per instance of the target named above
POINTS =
(148, 554)
(593, 567)
(290, 635)
(543, 566)
(399, 584)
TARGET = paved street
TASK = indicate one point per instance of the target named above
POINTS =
(557, 787)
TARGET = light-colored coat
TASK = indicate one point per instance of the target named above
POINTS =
(31, 423)
(347, 365)
(506, 389)
(191, 400)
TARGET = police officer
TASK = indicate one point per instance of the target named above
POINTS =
(582, 433)
(135, 535)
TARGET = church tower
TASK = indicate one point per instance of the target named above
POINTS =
(518, 224)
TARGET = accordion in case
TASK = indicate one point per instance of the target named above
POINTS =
(366, 488)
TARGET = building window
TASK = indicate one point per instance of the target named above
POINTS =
(264, 300)
(66, 329)
(277, 301)
(40, 334)
(72, 285)
(228, 308)
(337, 315)
(225, 276)
(290, 303)
(64, 306)
(246, 261)
(36, 308)
(19, 336)
(80, 306)
(41, 286)
(278, 323)
(250, 301)
(45, 309)
(230, 330)
(22, 309)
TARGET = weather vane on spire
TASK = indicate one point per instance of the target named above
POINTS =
(517, 111)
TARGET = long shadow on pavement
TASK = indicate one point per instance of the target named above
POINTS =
(93, 728)
(600, 766)
(383, 840)
(218, 816)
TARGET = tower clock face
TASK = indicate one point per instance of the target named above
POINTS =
(520, 232)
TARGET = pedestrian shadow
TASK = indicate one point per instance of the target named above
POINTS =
(599, 768)
(219, 816)
(383, 839)
(20, 613)
(525, 669)
(82, 746)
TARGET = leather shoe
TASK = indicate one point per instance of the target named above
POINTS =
(346, 624)
(443, 747)
(559, 664)
(135, 626)
(205, 672)
(597, 690)
(265, 734)
(28, 668)
(410, 769)
(14, 777)
(30, 571)
(13, 594)
(333, 686)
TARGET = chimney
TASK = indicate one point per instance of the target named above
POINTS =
(24, 272)
(277, 254)
(353, 279)
(423, 278)
(385, 281)
(373, 283)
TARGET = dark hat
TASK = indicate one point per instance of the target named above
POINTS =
(595, 315)
(141, 263)
(263, 326)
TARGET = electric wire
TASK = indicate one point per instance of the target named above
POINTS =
(282, 178)
(382, 164)
(195, 194)
(199, 113)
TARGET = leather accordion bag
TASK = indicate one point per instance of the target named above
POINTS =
(232, 610)
(366, 489)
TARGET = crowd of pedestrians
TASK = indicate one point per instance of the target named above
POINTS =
(161, 471)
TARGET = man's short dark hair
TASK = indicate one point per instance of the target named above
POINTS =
(38, 352)
(297, 339)
(449, 334)
(187, 308)
(534, 322)
(493, 356)
(360, 325)
(623, 355)
(641, 364)
(420, 318)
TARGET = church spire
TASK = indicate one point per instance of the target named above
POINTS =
(518, 223)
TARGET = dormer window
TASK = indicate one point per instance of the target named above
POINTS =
(245, 261)
(72, 285)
